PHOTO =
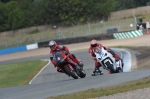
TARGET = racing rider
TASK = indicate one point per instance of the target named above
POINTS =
(53, 46)
(93, 44)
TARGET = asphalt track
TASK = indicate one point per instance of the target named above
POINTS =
(50, 83)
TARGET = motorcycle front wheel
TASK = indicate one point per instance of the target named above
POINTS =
(71, 73)
(110, 67)
(82, 74)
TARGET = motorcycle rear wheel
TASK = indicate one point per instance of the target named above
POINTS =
(119, 70)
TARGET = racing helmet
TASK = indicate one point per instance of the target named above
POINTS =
(52, 45)
(93, 43)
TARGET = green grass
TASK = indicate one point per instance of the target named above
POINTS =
(19, 73)
(99, 92)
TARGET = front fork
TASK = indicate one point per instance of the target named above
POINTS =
(75, 66)
(71, 67)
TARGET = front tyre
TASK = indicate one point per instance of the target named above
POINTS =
(110, 67)
(73, 74)
(81, 73)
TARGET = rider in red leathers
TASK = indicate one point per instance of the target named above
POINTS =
(53, 46)
(93, 44)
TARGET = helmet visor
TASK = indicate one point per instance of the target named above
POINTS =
(93, 45)
(52, 47)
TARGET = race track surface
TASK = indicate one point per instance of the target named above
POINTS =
(50, 83)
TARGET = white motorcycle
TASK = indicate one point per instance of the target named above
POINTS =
(107, 60)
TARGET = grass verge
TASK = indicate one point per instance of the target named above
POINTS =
(93, 93)
(19, 73)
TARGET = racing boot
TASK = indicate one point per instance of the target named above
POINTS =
(93, 73)
(60, 70)
(97, 72)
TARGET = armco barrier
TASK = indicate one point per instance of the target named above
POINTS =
(12, 50)
(59, 41)
(129, 34)
(32, 46)
(122, 35)
(18, 49)
(78, 39)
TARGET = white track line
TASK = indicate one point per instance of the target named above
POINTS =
(40, 71)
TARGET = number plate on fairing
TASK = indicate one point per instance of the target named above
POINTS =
(101, 54)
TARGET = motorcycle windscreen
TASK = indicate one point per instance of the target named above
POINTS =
(98, 50)
(58, 57)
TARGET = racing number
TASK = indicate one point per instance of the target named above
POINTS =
(101, 54)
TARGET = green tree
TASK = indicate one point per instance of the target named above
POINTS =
(27, 9)
(141, 2)
(5, 1)
(14, 16)
(2, 17)
(72, 11)
(103, 8)
(124, 4)
(148, 3)
(24, 13)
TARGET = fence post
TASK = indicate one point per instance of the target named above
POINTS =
(135, 21)
(103, 26)
(60, 34)
(55, 35)
(89, 28)
(74, 33)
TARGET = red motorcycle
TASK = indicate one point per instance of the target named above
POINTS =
(68, 66)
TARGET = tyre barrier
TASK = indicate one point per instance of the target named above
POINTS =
(129, 34)
(18, 49)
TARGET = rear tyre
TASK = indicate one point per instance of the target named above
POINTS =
(119, 70)
(71, 73)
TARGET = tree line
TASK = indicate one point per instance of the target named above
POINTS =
(128, 4)
(15, 14)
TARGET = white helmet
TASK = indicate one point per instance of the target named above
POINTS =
(52, 45)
